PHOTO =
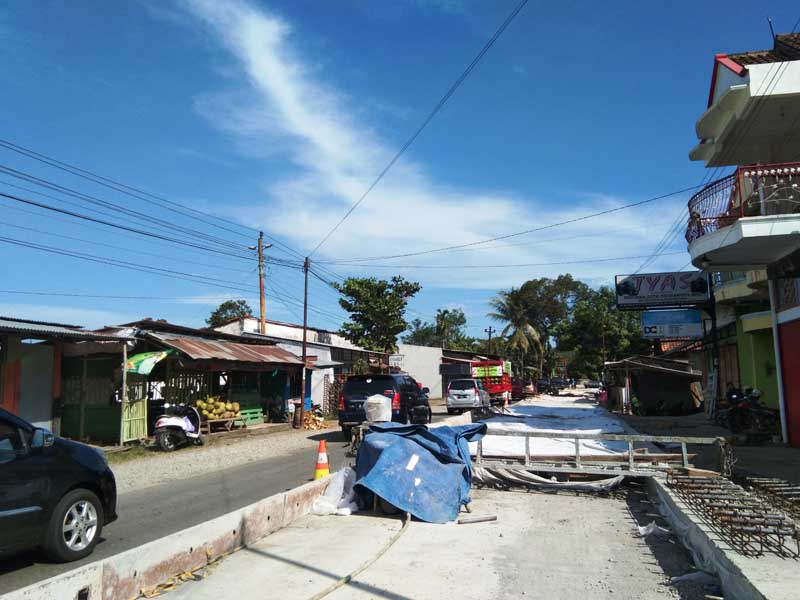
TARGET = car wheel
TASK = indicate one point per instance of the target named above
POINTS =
(451, 411)
(167, 440)
(199, 441)
(74, 527)
(347, 433)
(430, 415)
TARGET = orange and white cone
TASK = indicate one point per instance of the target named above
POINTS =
(322, 469)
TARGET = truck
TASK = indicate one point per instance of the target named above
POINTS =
(496, 378)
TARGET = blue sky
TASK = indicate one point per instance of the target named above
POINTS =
(277, 115)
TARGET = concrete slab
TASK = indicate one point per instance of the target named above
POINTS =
(541, 546)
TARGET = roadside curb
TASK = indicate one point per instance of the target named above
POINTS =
(124, 575)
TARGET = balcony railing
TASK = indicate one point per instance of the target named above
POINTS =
(747, 192)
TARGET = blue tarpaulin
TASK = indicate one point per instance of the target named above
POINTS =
(425, 472)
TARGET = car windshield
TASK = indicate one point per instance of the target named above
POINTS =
(368, 386)
(462, 384)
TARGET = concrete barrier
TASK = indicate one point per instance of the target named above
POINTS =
(124, 575)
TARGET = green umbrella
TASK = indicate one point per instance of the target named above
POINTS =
(144, 362)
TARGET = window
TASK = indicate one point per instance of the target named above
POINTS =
(10, 439)
(462, 384)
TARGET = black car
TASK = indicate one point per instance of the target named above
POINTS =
(557, 384)
(543, 386)
(409, 401)
(54, 493)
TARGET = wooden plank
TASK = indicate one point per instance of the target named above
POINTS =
(609, 437)
(527, 450)
(600, 458)
(631, 456)
(588, 470)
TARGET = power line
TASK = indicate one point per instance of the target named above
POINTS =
(179, 299)
(490, 266)
(114, 206)
(122, 248)
(139, 193)
(126, 189)
(439, 105)
(125, 264)
(89, 226)
(116, 225)
(515, 234)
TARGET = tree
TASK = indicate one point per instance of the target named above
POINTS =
(511, 307)
(421, 333)
(228, 311)
(377, 309)
(598, 332)
(446, 331)
(550, 302)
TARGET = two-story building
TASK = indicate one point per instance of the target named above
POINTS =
(746, 225)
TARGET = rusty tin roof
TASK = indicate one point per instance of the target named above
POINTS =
(198, 348)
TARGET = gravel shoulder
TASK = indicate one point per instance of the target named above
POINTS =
(156, 468)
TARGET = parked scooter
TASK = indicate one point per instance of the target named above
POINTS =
(179, 426)
(746, 413)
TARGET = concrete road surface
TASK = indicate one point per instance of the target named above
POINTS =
(541, 546)
(150, 513)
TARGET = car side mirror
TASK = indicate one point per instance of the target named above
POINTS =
(42, 438)
(426, 390)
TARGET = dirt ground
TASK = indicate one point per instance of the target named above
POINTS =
(541, 546)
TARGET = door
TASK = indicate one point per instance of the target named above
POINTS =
(10, 374)
(728, 367)
(21, 498)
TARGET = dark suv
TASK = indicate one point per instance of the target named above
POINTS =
(409, 402)
(54, 493)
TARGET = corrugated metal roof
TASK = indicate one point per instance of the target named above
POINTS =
(43, 330)
(198, 348)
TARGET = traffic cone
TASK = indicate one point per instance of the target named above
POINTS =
(322, 469)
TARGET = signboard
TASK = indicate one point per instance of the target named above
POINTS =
(652, 290)
(491, 370)
(396, 360)
(666, 324)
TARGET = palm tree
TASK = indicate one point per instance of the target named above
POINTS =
(510, 307)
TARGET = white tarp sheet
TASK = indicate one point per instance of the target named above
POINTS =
(570, 416)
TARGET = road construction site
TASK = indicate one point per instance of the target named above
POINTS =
(558, 535)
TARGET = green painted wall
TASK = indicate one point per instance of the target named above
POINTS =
(102, 423)
(757, 363)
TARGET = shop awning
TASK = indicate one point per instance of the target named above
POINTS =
(198, 348)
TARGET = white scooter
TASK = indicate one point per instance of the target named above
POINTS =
(180, 425)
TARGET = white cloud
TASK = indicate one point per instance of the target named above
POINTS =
(284, 104)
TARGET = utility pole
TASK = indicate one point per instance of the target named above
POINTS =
(260, 247)
(263, 324)
(490, 330)
(305, 333)
(712, 308)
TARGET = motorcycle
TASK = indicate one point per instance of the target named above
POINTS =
(746, 413)
(178, 426)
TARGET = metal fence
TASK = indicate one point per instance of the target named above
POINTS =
(747, 192)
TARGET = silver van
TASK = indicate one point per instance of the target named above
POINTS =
(466, 394)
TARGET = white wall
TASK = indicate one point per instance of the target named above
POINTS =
(422, 363)
(323, 354)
